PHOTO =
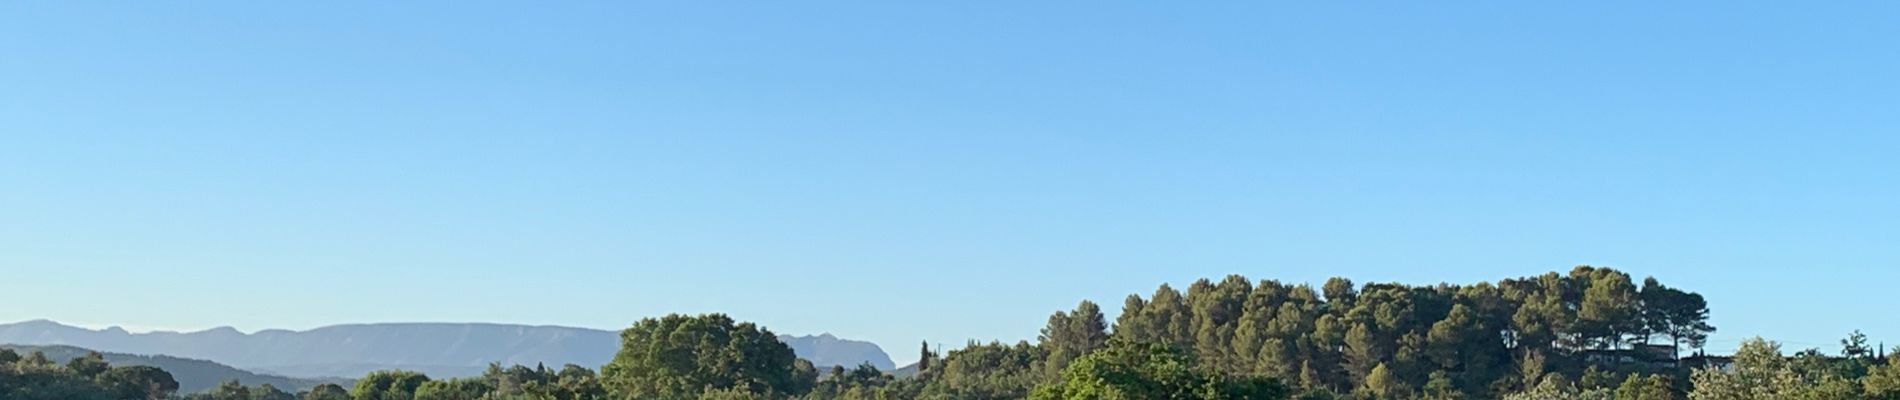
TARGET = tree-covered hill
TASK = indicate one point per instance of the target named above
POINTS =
(192, 375)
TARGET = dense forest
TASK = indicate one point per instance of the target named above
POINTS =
(1593, 333)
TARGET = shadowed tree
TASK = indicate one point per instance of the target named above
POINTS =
(138, 382)
(327, 391)
(90, 365)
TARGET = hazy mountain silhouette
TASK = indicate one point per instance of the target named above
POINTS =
(825, 351)
(192, 375)
(438, 349)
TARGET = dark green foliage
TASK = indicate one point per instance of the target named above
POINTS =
(453, 389)
(1439, 342)
(985, 371)
(229, 390)
(238, 391)
(34, 377)
(925, 357)
(193, 376)
(138, 382)
(863, 382)
(90, 365)
(681, 356)
(571, 382)
(388, 385)
(1646, 387)
(268, 392)
(1071, 335)
(37, 377)
(1683, 317)
(327, 391)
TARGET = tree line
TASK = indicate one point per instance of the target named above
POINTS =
(90, 377)
(1591, 333)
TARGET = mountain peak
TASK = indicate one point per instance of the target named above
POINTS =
(825, 350)
(222, 330)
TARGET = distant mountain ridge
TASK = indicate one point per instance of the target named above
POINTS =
(825, 351)
(437, 349)
(192, 375)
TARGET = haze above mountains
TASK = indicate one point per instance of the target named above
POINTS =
(438, 349)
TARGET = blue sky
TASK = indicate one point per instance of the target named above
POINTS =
(945, 171)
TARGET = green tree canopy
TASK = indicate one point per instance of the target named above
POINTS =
(680, 356)
(138, 382)
(388, 385)
(1135, 371)
(327, 391)
(1070, 335)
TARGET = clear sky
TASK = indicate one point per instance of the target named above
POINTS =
(903, 171)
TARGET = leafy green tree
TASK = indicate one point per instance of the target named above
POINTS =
(863, 382)
(1855, 346)
(456, 389)
(269, 392)
(1340, 292)
(1553, 387)
(388, 385)
(1759, 373)
(681, 356)
(577, 382)
(986, 371)
(1883, 381)
(1609, 307)
(37, 359)
(229, 390)
(1150, 371)
(1441, 387)
(1595, 377)
(36, 378)
(1381, 384)
(1681, 316)
(732, 393)
(1363, 351)
(138, 382)
(327, 391)
(1650, 387)
(90, 365)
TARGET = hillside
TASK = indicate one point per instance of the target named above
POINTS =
(192, 375)
(438, 349)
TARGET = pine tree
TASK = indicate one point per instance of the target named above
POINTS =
(1167, 317)
(1071, 335)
